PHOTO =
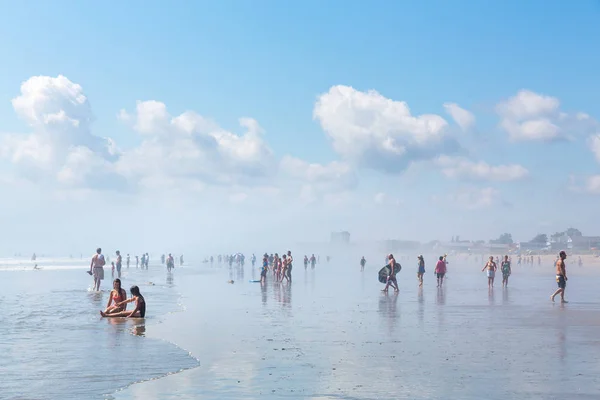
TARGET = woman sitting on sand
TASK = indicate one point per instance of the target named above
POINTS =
(140, 306)
(117, 295)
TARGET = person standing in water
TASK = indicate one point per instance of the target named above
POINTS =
(561, 277)
(181, 260)
(290, 260)
(170, 263)
(362, 263)
(420, 269)
(506, 271)
(128, 260)
(119, 264)
(440, 271)
(97, 268)
(491, 267)
(313, 261)
(265, 268)
(139, 310)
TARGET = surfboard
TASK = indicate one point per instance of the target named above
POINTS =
(253, 281)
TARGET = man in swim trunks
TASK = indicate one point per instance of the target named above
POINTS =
(394, 267)
(561, 277)
(97, 268)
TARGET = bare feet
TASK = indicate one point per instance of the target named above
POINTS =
(552, 298)
(102, 313)
(563, 301)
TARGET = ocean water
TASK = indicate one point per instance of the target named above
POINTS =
(54, 344)
(331, 334)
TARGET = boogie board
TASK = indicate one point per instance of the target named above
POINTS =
(253, 281)
(385, 271)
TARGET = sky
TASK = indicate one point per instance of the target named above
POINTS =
(220, 125)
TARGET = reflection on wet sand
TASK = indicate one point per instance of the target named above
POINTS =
(351, 341)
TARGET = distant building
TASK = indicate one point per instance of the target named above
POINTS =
(585, 242)
(340, 237)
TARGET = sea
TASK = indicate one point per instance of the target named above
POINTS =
(211, 332)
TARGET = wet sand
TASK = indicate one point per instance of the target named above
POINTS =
(334, 335)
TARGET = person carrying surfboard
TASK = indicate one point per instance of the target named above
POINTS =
(393, 267)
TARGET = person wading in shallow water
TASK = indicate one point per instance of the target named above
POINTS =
(440, 271)
(506, 271)
(561, 277)
(491, 271)
(97, 268)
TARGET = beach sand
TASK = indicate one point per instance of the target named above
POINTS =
(334, 335)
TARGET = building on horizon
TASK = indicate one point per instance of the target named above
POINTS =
(340, 237)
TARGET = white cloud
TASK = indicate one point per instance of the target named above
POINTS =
(60, 116)
(475, 198)
(529, 116)
(458, 167)
(370, 130)
(193, 147)
(465, 119)
(593, 184)
(335, 175)
(594, 142)
(382, 198)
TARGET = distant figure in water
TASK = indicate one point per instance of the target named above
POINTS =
(362, 263)
(112, 270)
(420, 269)
(328, 258)
(181, 260)
(290, 260)
(117, 295)
(97, 268)
(561, 277)
(506, 271)
(265, 268)
(137, 261)
(580, 262)
(162, 259)
(170, 263)
(128, 260)
(440, 271)
(33, 257)
(491, 271)
(119, 263)
(313, 261)
(140, 306)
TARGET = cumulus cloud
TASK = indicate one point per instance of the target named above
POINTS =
(60, 117)
(465, 119)
(529, 116)
(370, 130)
(459, 167)
(193, 147)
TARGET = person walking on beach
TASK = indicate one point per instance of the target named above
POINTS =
(506, 271)
(391, 279)
(420, 270)
(561, 277)
(128, 260)
(440, 271)
(491, 267)
(97, 268)
(362, 264)
(265, 268)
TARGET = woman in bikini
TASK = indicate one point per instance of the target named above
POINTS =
(491, 271)
(117, 295)
(140, 306)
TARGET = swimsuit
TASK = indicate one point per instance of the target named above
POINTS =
(561, 281)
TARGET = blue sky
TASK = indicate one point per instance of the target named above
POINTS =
(271, 61)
